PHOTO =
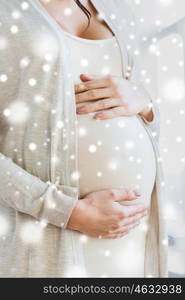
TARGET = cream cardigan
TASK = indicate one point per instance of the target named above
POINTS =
(38, 142)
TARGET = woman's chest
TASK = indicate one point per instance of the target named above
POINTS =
(94, 57)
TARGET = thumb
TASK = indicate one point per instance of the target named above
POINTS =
(126, 194)
(84, 77)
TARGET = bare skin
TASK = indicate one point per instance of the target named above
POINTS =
(112, 97)
(100, 214)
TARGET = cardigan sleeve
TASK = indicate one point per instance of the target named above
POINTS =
(20, 189)
(28, 194)
(136, 78)
(137, 46)
(154, 125)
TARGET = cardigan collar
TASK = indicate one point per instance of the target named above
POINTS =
(119, 17)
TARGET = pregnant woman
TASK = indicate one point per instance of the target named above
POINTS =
(74, 126)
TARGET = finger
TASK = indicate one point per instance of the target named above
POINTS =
(128, 228)
(132, 210)
(119, 194)
(124, 229)
(91, 84)
(130, 221)
(123, 194)
(131, 193)
(114, 235)
(112, 113)
(94, 95)
(80, 87)
(85, 77)
(98, 105)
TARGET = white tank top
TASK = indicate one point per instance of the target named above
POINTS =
(112, 153)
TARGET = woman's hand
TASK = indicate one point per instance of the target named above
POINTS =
(112, 96)
(101, 215)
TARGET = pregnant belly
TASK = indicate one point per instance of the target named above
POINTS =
(112, 154)
(115, 153)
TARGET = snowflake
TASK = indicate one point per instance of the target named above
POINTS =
(3, 43)
(106, 57)
(131, 158)
(17, 112)
(129, 144)
(149, 275)
(46, 68)
(43, 44)
(4, 226)
(137, 2)
(75, 175)
(3, 78)
(67, 11)
(107, 125)
(14, 29)
(139, 176)
(165, 242)
(24, 62)
(31, 232)
(105, 71)
(104, 275)
(16, 14)
(117, 148)
(32, 146)
(32, 81)
(83, 238)
(166, 2)
(60, 124)
(121, 124)
(84, 62)
(107, 253)
(82, 131)
(48, 57)
(38, 99)
(24, 5)
(113, 16)
(113, 165)
(164, 68)
(92, 148)
(143, 227)
(100, 16)
(179, 139)
(99, 143)
(174, 90)
(168, 122)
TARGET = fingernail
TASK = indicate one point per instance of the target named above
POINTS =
(137, 193)
(80, 109)
(98, 116)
